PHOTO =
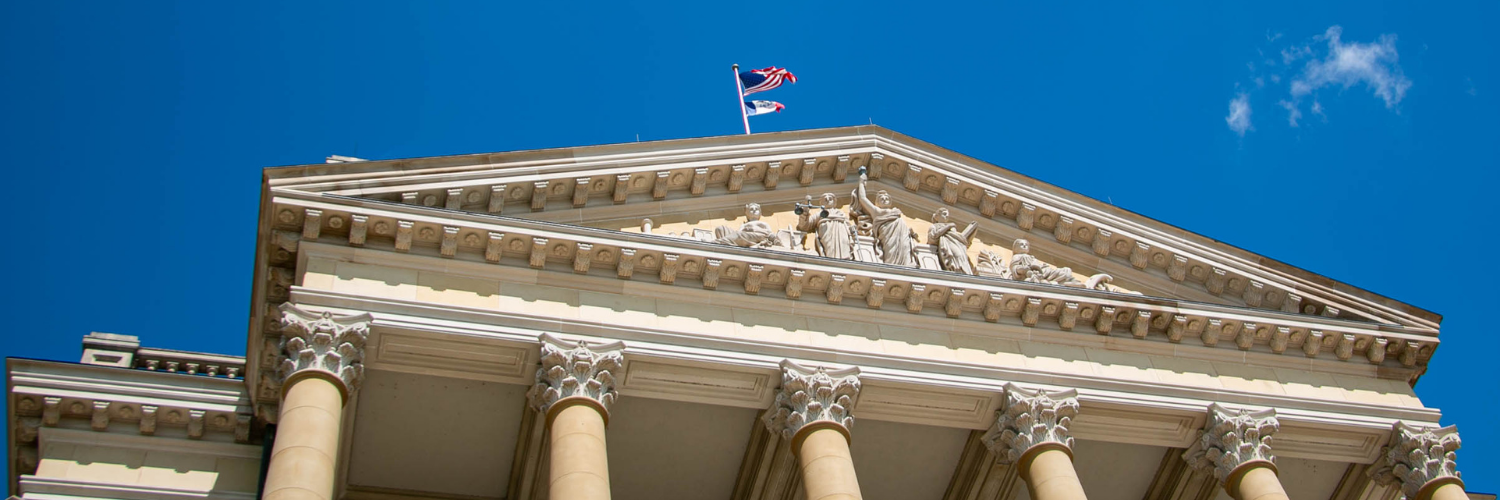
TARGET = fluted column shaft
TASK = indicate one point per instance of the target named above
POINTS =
(574, 388)
(812, 409)
(321, 365)
(1031, 432)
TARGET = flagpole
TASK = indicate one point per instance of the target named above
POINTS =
(739, 98)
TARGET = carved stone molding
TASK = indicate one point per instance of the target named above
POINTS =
(1233, 438)
(1420, 458)
(1032, 418)
(576, 370)
(812, 398)
(323, 344)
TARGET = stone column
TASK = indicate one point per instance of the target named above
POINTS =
(1422, 459)
(321, 366)
(1032, 433)
(574, 389)
(812, 411)
(1236, 446)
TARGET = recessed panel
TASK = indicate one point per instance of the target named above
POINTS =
(1115, 471)
(904, 461)
(435, 435)
(670, 449)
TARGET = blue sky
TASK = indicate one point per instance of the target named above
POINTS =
(134, 132)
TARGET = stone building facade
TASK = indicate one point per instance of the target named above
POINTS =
(711, 318)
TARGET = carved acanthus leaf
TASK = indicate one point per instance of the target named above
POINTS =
(1031, 417)
(1417, 456)
(1232, 438)
(323, 342)
(810, 395)
(576, 369)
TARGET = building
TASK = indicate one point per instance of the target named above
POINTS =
(467, 327)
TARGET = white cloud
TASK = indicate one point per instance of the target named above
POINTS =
(1293, 114)
(1347, 64)
(1239, 114)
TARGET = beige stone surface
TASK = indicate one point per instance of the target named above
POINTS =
(162, 468)
(1259, 483)
(1049, 475)
(827, 467)
(579, 464)
(803, 323)
(303, 458)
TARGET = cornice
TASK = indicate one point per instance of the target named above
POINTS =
(515, 242)
(921, 167)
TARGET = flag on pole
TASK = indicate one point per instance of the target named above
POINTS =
(761, 80)
(753, 108)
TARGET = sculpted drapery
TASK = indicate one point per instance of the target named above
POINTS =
(835, 234)
(893, 238)
(952, 243)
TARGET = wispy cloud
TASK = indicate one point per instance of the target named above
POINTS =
(1325, 61)
(1349, 64)
(1293, 114)
(1239, 114)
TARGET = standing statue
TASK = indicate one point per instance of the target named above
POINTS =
(835, 235)
(952, 244)
(893, 238)
(753, 233)
(1026, 267)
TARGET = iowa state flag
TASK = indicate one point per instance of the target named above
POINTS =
(761, 80)
(753, 108)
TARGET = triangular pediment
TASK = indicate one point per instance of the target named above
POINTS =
(689, 187)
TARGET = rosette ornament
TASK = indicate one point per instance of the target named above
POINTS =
(813, 398)
(576, 372)
(1032, 419)
(323, 345)
(1422, 459)
(1231, 439)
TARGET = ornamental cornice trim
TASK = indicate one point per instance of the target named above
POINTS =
(987, 298)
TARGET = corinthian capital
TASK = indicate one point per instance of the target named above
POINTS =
(1232, 439)
(321, 344)
(1032, 418)
(578, 372)
(1420, 458)
(813, 398)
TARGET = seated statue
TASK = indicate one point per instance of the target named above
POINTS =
(1026, 267)
(752, 234)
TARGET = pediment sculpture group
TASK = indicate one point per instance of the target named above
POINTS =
(876, 231)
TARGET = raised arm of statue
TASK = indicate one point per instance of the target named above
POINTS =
(863, 198)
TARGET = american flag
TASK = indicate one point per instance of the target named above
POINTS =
(761, 80)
